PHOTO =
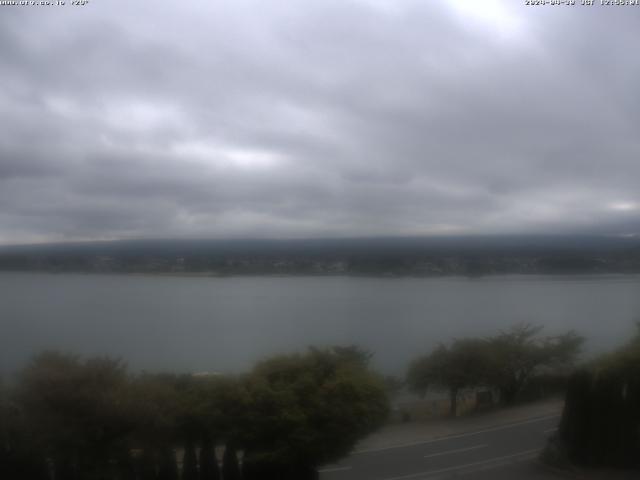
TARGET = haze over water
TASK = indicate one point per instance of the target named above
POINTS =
(225, 324)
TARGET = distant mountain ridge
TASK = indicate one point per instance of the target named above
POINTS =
(420, 256)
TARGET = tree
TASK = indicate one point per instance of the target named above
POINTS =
(190, 462)
(97, 422)
(77, 410)
(463, 364)
(519, 353)
(506, 361)
(230, 466)
(167, 465)
(308, 409)
(20, 455)
(156, 405)
(600, 424)
(207, 460)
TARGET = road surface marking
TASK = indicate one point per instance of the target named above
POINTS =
(430, 473)
(549, 430)
(454, 436)
(457, 450)
(334, 469)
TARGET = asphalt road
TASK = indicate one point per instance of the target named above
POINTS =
(499, 452)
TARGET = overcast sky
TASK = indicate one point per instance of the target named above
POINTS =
(331, 118)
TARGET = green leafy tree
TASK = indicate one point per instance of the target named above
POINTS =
(155, 403)
(308, 409)
(77, 410)
(600, 424)
(214, 407)
(190, 462)
(207, 461)
(169, 415)
(462, 364)
(520, 353)
(21, 456)
(95, 421)
(167, 465)
(230, 467)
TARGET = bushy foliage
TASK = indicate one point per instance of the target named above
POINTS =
(462, 364)
(91, 419)
(519, 353)
(77, 411)
(506, 361)
(600, 425)
(312, 408)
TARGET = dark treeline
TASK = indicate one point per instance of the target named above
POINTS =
(72, 419)
(509, 363)
(600, 426)
(383, 256)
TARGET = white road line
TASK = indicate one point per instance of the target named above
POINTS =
(430, 473)
(457, 450)
(461, 435)
(334, 469)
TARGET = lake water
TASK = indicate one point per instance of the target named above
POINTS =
(225, 324)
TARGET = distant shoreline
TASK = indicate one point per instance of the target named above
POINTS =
(382, 258)
(327, 275)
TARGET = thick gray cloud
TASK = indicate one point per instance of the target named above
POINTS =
(317, 118)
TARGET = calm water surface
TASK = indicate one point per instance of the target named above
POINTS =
(225, 324)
